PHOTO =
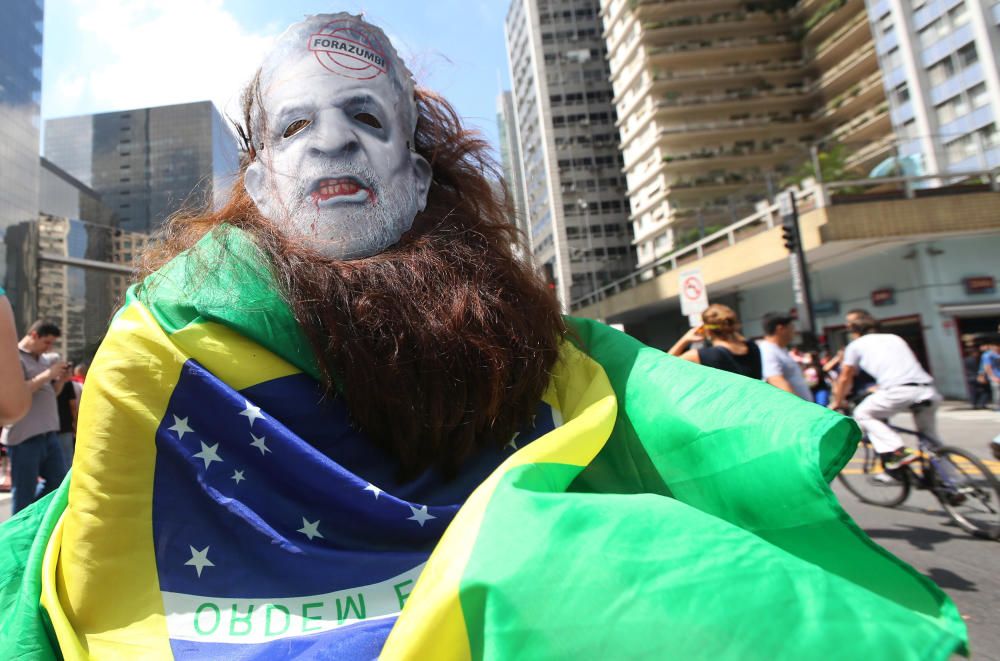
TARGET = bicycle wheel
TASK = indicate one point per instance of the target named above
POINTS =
(968, 491)
(864, 477)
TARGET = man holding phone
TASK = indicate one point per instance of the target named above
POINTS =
(33, 442)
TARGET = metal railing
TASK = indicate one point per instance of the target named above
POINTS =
(811, 195)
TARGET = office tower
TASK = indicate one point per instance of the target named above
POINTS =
(510, 160)
(147, 163)
(20, 93)
(572, 183)
(939, 60)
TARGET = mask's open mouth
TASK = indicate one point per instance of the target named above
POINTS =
(339, 189)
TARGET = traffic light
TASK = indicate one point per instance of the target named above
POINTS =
(790, 234)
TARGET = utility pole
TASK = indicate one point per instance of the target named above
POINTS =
(792, 236)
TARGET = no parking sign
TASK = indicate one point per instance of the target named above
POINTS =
(694, 295)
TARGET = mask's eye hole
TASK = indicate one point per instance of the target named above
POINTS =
(369, 119)
(295, 127)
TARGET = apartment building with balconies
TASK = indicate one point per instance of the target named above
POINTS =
(573, 189)
(721, 102)
(845, 77)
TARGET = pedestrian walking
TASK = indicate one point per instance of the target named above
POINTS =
(778, 367)
(975, 379)
(990, 368)
(728, 350)
(32, 442)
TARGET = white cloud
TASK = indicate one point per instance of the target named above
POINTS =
(158, 53)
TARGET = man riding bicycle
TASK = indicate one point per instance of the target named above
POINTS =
(901, 383)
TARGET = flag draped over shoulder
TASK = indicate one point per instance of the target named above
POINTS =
(220, 507)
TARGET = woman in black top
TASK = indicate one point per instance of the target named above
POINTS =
(729, 350)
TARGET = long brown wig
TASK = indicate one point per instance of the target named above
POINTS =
(441, 345)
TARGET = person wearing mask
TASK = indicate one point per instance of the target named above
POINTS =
(728, 350)
(900, 383)
(32, 442)
(779, 368)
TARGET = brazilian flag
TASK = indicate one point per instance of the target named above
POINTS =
(220, 506)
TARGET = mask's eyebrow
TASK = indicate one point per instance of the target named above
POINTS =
(363, 102)
(288, 111)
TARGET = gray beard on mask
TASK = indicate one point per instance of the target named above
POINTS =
(352, 231)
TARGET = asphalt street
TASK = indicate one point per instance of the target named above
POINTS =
(920, 533)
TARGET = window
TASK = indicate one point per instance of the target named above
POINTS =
(885, 24)
(893, 58)
(961, 149)
(952, 109)
(979, 96)
(958, 16)
(941, 71)
(967, 55)
(901, 94)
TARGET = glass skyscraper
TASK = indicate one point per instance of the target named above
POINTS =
(147, 163)
(20, 93)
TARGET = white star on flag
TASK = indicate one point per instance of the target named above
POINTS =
(420, 515)
(310, 530)
(374, 489)
(252, 412)
(237, 476)
(511, 443)
(208, 454)
(259, 444)
(180, 426)
(199, 559)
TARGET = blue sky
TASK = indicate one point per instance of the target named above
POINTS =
(105, 55)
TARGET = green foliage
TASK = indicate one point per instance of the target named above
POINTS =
(831, 166)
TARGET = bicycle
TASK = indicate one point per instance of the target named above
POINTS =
(965, 487)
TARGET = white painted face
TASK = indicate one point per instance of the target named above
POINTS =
(336, 169)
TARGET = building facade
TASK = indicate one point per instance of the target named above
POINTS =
(573, 188)
(510, 160)
(147, 163)
(939, 59)
(64, 265)
(722, 103)
(20, 94)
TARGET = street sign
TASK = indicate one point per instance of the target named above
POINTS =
(694, 295)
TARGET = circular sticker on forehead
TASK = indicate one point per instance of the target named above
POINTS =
(347, 48)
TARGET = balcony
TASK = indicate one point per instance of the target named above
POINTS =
(853, 101)
(870, 155)
(839, 78)
(647, 10)
(713, 24)
(737, 157)
(678, 104)
(848, 39)
(773, 46)
(681, 132)
(866, 127)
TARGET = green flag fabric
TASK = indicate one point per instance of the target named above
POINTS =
(675, 511)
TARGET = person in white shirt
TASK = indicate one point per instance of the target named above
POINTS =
(779, 368)
(900, 383)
